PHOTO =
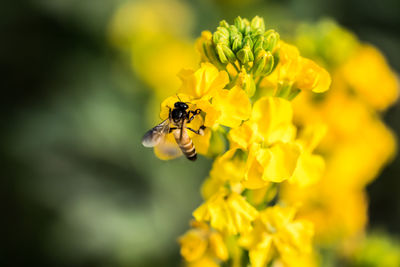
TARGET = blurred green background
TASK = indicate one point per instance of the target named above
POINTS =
(78, 188)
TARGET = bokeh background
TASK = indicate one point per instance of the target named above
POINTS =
(77, 187)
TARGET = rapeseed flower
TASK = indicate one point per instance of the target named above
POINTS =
(277, 234)
(227, 212)
(202, 246)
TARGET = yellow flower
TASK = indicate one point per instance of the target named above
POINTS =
(273, 155)
(368, 73)
(227, 212)
(204, 82)
(277, 233)
(229, 167)
(234, 106)
(203, 245)
(312, 77)
(303, 73)
(310, 167)
(270, 121)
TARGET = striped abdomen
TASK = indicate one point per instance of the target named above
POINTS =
(185, 144)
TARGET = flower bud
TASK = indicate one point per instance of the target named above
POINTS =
(245, 55)
(237, 42)
(210, 53)
(225, 54)
(271, 40)
(247, 41)
(257, 25)
(221, 36)
(269, 64)
(240, 24)
(258, 43)
(263, 63)
(224, 24)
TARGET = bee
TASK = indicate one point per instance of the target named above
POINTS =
(178, 117)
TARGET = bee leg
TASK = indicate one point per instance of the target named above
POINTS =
(195, 113)
(172, 128)
(200, 131)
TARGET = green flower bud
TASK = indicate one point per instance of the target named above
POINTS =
(247, 41)
(225, 54)
(237, 43)
(221, 55)
(247, 30)
(257, 25)
(224, 24)
(269, 64)
(245, 55)
(271, 40)
(236, 38)
(212, 56)
(240, 24)
(258, 43)
(221, 37)
(263, 63)
(259, 62)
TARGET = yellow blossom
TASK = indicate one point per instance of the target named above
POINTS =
(229, 167)
(277, 233)
(368, 73)
(201, 245)
(204, 82)
(303, 73)
(227, 212)
(310, 167)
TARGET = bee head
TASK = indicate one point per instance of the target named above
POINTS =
(181, 105)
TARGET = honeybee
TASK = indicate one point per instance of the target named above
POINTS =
(176, 123)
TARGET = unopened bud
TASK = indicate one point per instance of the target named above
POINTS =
(225, 54)
(224, 24)
(263, 63)
(221, 36)
(257, 25)
(271, 40)
(236, 39)
(240, 24)
(245, 55)
(211, 54)
(258, 44)
(247, 41)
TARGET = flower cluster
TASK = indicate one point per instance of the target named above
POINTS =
(357, 144)
(291, 159)
(244, 87)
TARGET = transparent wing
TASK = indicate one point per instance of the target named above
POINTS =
(155, 135)
(168, 149)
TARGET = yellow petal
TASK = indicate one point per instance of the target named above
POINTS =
(282, 162)
(234, 105)
(273, 118)
(312, 77)
(218, 247)
(204, 82)
(242, 136)
(254, 169)
(369, 74)
(193, 245)
(309, 169)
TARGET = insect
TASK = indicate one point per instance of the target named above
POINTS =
(178, 117)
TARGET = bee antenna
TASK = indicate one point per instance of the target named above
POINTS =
(178, 98)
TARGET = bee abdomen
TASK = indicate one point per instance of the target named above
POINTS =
(188, 149)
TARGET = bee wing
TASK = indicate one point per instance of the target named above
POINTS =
(155, 135)
(168, 149)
